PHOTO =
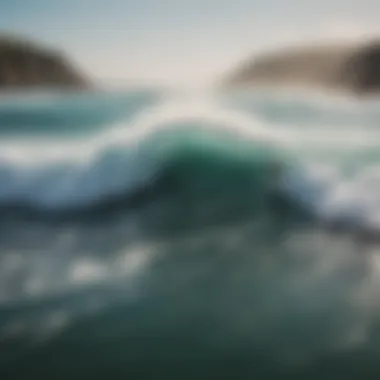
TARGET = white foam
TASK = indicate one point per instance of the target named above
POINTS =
(331, 195)
(58, 174)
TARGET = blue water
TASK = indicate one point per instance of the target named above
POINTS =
(160, 234)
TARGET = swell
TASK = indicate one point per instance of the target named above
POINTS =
(200, 161)
(183, 170)
(55, 114)
(169, 149)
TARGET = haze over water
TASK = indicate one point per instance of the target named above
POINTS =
(144, 232)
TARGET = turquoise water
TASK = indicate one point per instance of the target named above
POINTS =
(145, 235)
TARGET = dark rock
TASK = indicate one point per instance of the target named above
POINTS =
(23, 64)
(362, 70)
(347, 68)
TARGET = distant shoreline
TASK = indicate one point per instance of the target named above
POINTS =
(26, 65)
(345, 69)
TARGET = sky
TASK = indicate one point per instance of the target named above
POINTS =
(181, 42)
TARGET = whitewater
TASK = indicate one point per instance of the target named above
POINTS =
(145, 231)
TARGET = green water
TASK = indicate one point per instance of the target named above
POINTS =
(163, 246)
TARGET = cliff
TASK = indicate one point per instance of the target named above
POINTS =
(347, 68)
(24, 64)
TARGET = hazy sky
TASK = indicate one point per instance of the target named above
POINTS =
(180, 41)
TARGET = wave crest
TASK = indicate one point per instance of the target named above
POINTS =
(189, 144)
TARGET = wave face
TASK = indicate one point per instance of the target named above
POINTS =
(228, 226)
(198, 148)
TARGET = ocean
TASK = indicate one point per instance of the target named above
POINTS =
(164, 234)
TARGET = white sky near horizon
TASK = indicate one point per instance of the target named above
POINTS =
(178, 42)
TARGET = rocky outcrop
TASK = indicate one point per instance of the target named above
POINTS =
(24, 64)
(348, 68)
